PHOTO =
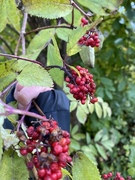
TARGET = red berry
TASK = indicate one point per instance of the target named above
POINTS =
(58, 149)
(23, 151)
(41, 173)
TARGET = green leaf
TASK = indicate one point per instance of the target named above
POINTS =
(74, 129)
(81, 115)
(98, 135)
(63, 33)
(5, 81)
(121, 85)
(108, 144)
(73, 46)
(98, 110)
(90, 107)
(2, 117)
(77, 17)
(98, 6)
(74, 145)
(54, 59)
(131, 171)
(84, 168)
(13, 15)
(109, 94)
(65, 173)
(39, 42)
(79, 136)
(9, 14)
(88, 55)
(13, 117)
(1, 146)
(34, 75)
(50, 9)
(88, 138)
(6, 67)
(101, 151)
(3, 14)
(73, 105)
(13, 167)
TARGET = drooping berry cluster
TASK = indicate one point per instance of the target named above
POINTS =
(111, 176)
(82, 86)
(47, 146)
(91, 37)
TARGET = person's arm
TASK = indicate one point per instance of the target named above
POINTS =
(24, 95)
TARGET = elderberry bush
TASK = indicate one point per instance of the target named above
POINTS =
(46, 147)
(82, 85)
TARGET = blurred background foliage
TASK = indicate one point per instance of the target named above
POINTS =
(105, 132)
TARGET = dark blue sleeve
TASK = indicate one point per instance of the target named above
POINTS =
(54, 104)
(10, 97)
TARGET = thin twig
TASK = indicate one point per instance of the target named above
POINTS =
(38, 108)
(10, 110)
(8, 88)
(21, 58)
(48, 27)
(82, 12)
(22, 118)
(23, 31)
(17, 46)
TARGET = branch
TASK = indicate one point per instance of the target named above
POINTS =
(82, 12)
(48, 27)
(10, 110)
(21, 58)
(23, 31)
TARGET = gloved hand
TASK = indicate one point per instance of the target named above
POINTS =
(24, 95)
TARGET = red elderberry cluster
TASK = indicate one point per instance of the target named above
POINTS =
(90, 38)
(111, 176)
(48, 147)
(82, 86)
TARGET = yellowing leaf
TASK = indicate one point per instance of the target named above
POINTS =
(50, 9)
